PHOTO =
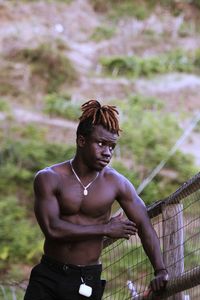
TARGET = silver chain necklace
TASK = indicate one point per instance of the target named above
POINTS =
(85, 192)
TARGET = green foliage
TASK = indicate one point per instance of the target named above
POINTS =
(22, 155)
(146, 130)
(102, 33)
(57, 105)
(136, 66)
(20, 158)
(18, 236)
(27, 1)
(147, 137)
(7, 88)
(129, 8)
(49, 64)
(4, 106)
(117, 9)
(196, 2)
(10, 293)
(197, 58)
(132, 175)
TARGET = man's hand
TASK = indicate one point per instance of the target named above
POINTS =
(158, 284)
(117, 227)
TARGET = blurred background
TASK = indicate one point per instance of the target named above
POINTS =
(142, 56)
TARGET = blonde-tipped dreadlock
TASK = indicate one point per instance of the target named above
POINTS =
(105, 115)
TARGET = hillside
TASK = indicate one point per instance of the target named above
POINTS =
(84, 36)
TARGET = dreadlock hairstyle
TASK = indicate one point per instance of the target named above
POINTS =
(95, 114)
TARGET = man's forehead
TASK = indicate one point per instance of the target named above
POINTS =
(102, 133)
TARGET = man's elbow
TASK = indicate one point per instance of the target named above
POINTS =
(52, 232)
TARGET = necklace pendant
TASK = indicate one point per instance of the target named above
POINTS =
(85, 192)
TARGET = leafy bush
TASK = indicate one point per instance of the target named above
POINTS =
(20, 159)
(197, 58)
(48, 63)
(196, 2)
(19, 239)
(56, 105)
(117, 9)
(11, 292)
(147, 137)
(136, 66)
(102, 33)
(4, 106)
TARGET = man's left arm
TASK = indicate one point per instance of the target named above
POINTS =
(151, 245)
(136, 211)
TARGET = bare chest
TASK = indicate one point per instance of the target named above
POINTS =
(98, 201)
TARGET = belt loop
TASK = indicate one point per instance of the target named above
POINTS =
(65, 268)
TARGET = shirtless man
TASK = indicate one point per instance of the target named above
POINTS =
(73, 201)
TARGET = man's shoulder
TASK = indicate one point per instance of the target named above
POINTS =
(109, 171)
(53, 169)
(50, 172)
(119, 179)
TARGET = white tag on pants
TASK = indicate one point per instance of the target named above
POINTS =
(85, 290)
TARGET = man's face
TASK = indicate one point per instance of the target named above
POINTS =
(97, 149)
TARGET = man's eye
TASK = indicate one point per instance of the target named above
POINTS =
(111, 148)
(100, 144)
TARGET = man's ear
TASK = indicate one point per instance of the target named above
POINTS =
(81, 140)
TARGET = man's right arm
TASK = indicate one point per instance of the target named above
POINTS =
(47, 212)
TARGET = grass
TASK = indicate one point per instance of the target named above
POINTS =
(56, 105)
(4, 106)
(7, 86)
(103, 33)
(11, 293)
(116, 9)
(30, 1)
(135, 66)
(49, 64)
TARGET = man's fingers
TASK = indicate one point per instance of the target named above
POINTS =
(158, 285)
(154, 286)
(131, 227)
(130, 223)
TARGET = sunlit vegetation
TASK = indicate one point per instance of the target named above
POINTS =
(47, 64)
(103, 33)
(4, 106)
(135, 66)
(148, 135)
(141, 9)
(117, 9)
(20, 158)
(56, 105)
(32, 1)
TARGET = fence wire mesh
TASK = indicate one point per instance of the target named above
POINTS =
(176, 220)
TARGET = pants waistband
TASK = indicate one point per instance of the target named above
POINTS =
(61, 267)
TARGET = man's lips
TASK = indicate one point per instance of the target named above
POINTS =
(103, 162)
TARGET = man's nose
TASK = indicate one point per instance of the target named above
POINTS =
(106, 151)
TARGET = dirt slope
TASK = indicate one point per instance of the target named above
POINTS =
(25, 25)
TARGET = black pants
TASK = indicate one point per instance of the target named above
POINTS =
(51, 280)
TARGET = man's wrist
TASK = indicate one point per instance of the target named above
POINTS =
(105, 230)
(160, 270)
